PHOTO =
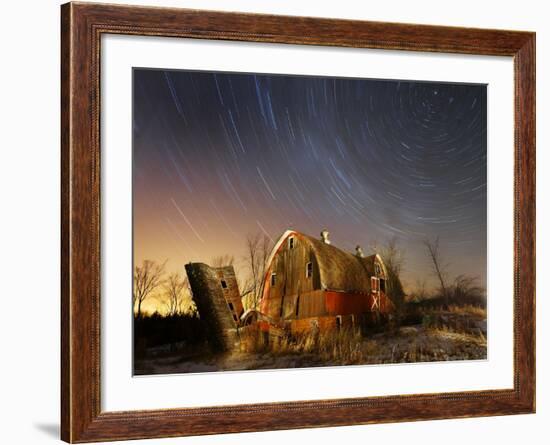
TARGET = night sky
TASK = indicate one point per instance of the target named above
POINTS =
(218, 156)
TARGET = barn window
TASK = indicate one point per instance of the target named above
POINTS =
(309, 270)
(224, 284)
(230, 306)
(273, 279)
(375, 284)
(377, 268)
(291, 242)
(338, 322)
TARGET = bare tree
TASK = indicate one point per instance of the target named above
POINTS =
(258, 249)
(177, 300)
(223, 260)
(421, 290)
(147, 278)
(393, 256)
(394, 260)
(440, 269)
(466, 289)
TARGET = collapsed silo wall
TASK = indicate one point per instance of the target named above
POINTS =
(216, 295)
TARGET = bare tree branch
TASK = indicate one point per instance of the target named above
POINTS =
(177, 299)
(434, 253)
(393, 257)
(223, 260)
(147, 278)
(258, 248)
(421, 291)
(466, 288)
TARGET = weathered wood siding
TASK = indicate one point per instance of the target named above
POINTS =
(289, 266)
(312, 324)
(312, 304)
(342, 303)
(321, 303)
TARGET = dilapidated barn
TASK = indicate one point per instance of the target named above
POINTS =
(310, 282)
(309, 285)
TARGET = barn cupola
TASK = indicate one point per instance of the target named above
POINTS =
(359, 252)
(324, 236)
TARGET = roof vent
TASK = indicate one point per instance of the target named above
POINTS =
(359, 252)
(324, 236)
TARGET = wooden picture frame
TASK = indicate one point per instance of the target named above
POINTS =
(82, 25)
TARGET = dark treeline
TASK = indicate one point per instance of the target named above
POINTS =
(174, 331)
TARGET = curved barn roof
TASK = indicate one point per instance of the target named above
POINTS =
(339, 270)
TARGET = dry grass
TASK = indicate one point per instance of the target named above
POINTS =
(468, 309)
(407, 345)
(459, 336)
(455, 332)
(345, 346)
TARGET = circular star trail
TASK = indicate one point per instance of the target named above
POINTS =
(218, 156)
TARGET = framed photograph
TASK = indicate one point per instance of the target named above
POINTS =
(274, 222)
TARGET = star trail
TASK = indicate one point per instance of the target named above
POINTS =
(218, 156)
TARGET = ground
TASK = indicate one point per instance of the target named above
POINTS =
(443, 335)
